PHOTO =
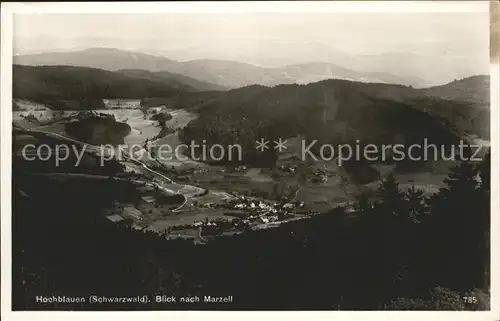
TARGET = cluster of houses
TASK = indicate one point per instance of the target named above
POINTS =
(254, 211)
(288, 168)
(237, 169)
(121, 104)
(241, 168)
(247, 212)
(320, 176)
(186, 174)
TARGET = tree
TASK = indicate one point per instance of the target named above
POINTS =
(391, 196)
(279, 190)
(484, 169)
(416, 203)
(438, 298)
(484, 217)
(303, 172)
(458, 222)
(364, 205)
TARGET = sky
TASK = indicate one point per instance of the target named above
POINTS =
(256, 37)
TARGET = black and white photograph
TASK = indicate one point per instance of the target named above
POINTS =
(225, 156)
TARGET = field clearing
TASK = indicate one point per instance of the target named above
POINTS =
(256, 174)
(187, 190)
(180, 118)
(184, 234)
(168, 156)
(122, 103)
(320, 198)
(191, 191)
(187, 218)
(213, 197)
(29, 105)
(429, 182)
(231, 182)
(325, 195)
(142, 129)
(293, 149)
(56, 128)
(42, 113)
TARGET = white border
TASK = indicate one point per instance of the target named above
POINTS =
(495, 185)
(8, 9)
(5, 153)
(250, 6)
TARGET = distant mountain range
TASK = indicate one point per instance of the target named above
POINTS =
(415, 65)
(209, 74)
(421, 64)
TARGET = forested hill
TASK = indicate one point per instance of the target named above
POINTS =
(335, 111)
(172, 79)
(341, 111)
(464, 103)
(474, 89)
(55, 84)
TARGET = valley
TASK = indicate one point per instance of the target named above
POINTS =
(226, 197)
(197, 204)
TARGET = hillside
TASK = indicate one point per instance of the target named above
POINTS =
(474, 89)
(172, 80)
(224, 73)
(331, 111)
(67, 87)
(463, 104)
(98, 130)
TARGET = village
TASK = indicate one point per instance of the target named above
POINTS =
(203, 213)
(241, 214)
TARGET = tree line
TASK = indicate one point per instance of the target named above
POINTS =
(403, 251)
